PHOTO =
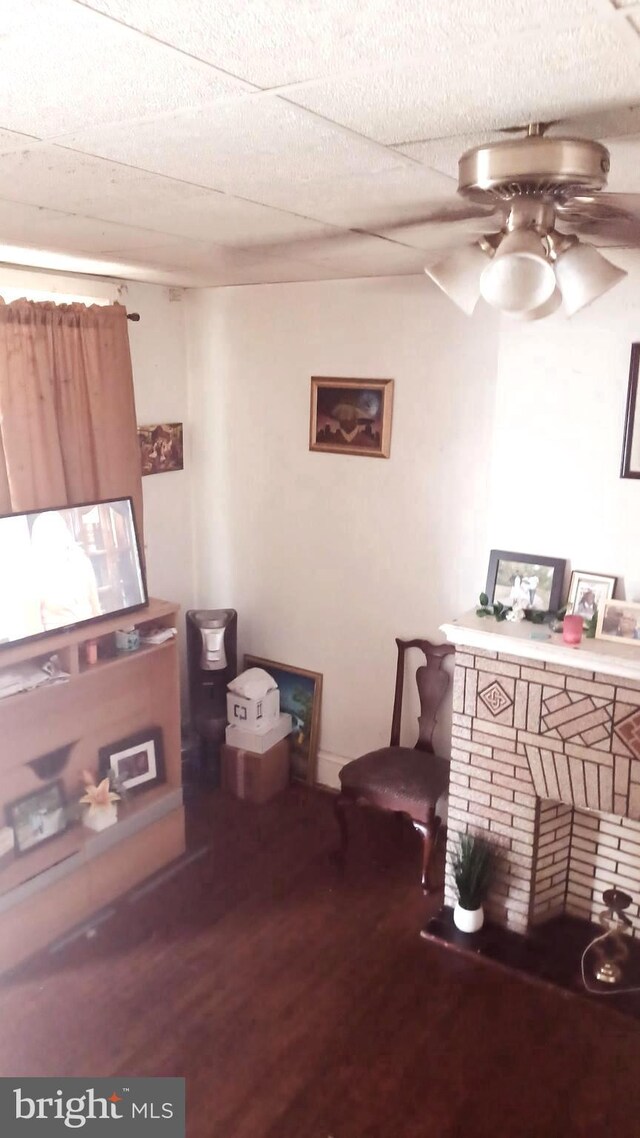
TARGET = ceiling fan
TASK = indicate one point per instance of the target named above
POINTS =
(529, 204)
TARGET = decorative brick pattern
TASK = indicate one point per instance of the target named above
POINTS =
(627, 730)
(495, 698)
(544, 758)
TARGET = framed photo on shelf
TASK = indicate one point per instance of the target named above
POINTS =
(588, 592)
(300, 696)
(526, 579)
(137, 762)
(630, 467)
(619, 621)
(37, 817)
(351, 416)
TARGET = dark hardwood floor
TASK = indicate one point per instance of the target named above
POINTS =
(300, 1004)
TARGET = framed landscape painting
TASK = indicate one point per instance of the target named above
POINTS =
(351, 416)
(300, 695)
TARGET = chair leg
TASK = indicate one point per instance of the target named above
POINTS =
(339, 806)
(429, 832)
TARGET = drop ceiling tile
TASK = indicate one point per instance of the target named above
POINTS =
(240, 144)
(73, 68)
(273, 42)
(442, 154)
(206, 215)
(360, 201)
(353, 253)
(536, 76)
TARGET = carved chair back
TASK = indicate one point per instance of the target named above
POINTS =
(432, 680)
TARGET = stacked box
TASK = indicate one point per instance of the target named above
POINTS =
(255, 777)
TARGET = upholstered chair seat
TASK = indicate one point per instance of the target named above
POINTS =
(405, 780)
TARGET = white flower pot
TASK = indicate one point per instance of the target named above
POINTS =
(468, 920)
(100, 817)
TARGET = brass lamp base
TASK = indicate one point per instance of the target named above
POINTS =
(609, 973)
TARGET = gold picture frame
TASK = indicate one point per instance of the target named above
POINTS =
(619, 621)
(351, 416)
(300, 696)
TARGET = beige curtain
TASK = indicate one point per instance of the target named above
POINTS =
(67, 413)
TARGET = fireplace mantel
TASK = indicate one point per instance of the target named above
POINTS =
(536, 642)
(545, 760)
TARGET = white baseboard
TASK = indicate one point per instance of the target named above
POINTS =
(328, 769)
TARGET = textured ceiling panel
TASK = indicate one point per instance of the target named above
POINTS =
(538, 77)
(74, 68)
(31, 225)
(237, 145)
(78, 183)
(272, 42)
(361, 201)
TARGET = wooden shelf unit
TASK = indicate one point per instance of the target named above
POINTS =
(46, 890)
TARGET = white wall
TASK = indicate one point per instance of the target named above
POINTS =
(158, 354)
(557, 441)
(329, 557)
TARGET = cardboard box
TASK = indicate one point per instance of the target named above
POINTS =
(257, 778)
(263, 738)
(252, 713)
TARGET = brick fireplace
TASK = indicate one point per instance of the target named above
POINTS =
(545, 762)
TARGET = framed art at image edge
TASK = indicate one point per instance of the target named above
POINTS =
(306, 715)
(630, 467)
(541, 589)
(351, 416)
(610, 619)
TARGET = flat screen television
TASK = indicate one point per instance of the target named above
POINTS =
(68, 566)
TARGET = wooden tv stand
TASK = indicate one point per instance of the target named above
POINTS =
(60, 883)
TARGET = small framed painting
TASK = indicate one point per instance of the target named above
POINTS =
(525, 580)
(630, 467)
(37, 817)
(137, 762)
(300, 695)
(588, 592)
(351, 416)
(161, 448)
(619, 620)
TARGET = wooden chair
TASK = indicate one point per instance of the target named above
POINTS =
(406, 780)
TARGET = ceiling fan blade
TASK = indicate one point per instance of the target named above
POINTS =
(438, 228)
(613, 219)
(443, 212)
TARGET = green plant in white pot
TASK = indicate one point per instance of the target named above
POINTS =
(472, 872)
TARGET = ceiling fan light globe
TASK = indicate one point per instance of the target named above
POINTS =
(583, 275)
(547, 309)
(519, 278)
(458, 275)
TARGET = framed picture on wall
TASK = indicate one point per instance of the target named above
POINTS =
(528, 580)
(351, 416)
(630, 467)
(161, 448)
(300, 695)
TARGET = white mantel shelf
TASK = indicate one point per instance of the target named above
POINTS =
(524, 640)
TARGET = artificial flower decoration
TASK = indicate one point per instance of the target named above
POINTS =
(97, 797)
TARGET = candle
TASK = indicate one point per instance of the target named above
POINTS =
(572, 626)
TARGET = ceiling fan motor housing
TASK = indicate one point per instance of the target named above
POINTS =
(549, 168)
